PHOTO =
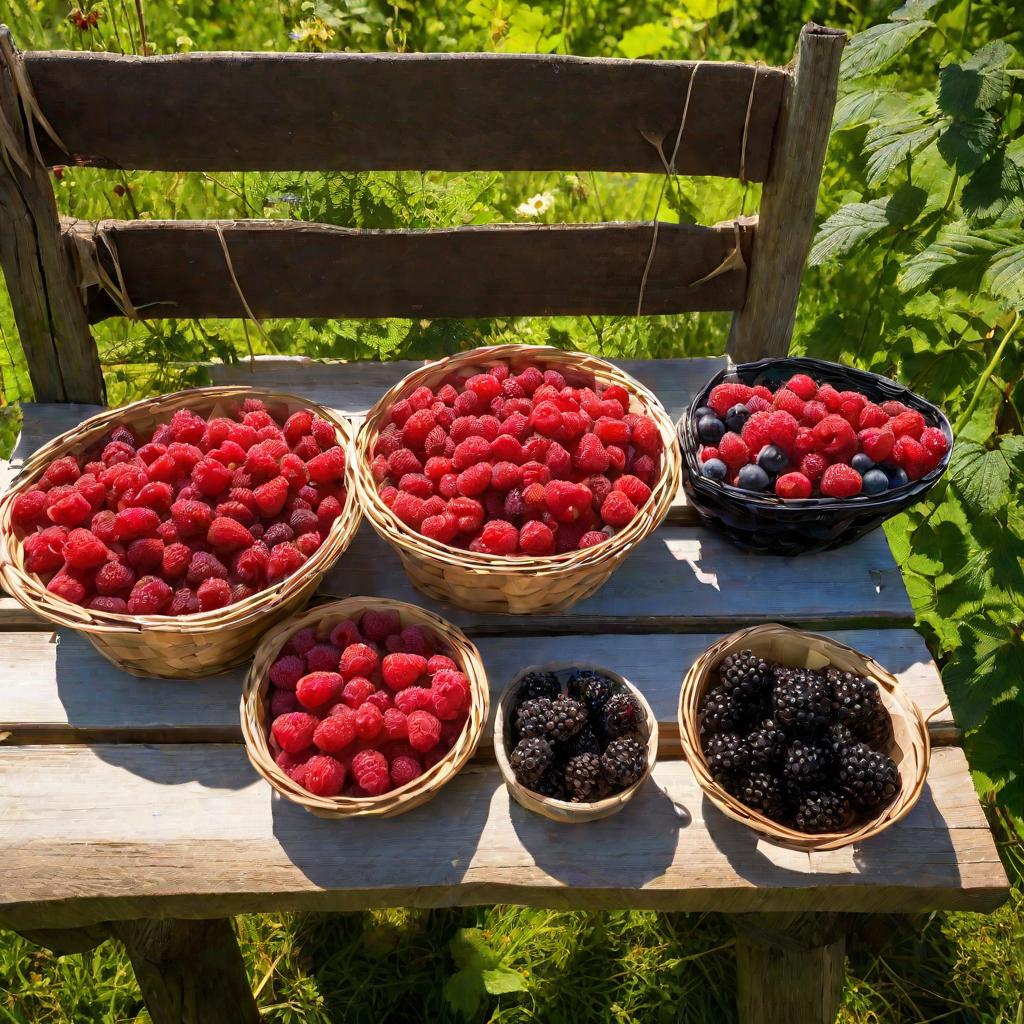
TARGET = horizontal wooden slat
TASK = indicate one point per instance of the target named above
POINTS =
(114, 832)
(357, 112)
(57, 689)
(295, 269)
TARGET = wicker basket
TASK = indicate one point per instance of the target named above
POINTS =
(910, 747)
(522, 584)
(174, 646)
(775, 526)
(564, 810)
(256, 724)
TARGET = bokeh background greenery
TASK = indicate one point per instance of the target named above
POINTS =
(917, 273)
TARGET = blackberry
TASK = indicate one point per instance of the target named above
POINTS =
(622, 715)
(720, 712)
(763, 792)
(745, 675)
(767, 745)
(807, 762)
(538, 684)
(727, 755)
(557, 719)
(802, 698)
(594, 689)
(533, 716)
(823, 810)
(839, 737)
(857, 704)
(584, 778)
(869, 778)
(552, 785)
(584, 742)
(530, 759)
(624, 761)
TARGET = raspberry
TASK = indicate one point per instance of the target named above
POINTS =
(315, 689)
(370, 769)
(566, 501)
(279, 533)
(327, 511)
(83, 550)
(590, 455)
(782, 429)
(841, 481)
(734, 451)
(113, 578)
(835, 437)
(724, 396)
(210, 477)
(910, 424)
(414, 641)
(191, 517)
(612, 431)
(204, 566)
(413, 698)
(591, 539)
(802, 386)
(474, 480)
(71, 509)
(184, 602)
(500, 537)
(786, 401)
(297, 425)
(409, 508)
(756, 432)
(646, 436)
(911, 455)
(67, 587)
(876, 444)
(328, 466)
(813, 465)
(146, 554)
(515, 425)
(369, 721)
(404, 769)
(336, 731)
(450, 694)
(634, 488)
(814, 412)
(323, 658)
(135, 522)
(111, 605)
(356, 690)
(358, 659)
(402, 670)
(934, 441)
(618, 510)
(104, 526)
(187, 426)
(270, 497)
(417, 427)
(228, 535)
(601, 486)
(284, 560)
(395, 724)
(470, 452)
(323, 775)
(380, 699)
(294, 732)
(302, 641)
(287, 671)
(442, 528)
(213, 593)
(546, 419)
(536, 539)
(282, 702)
(240, 513)
(793, 485)
(65, 470)
(344, 634)
(424, 730)
(28, 508)
(535, 473)
(872, 416)
(261, 461)
(250, 566)
(149, 596)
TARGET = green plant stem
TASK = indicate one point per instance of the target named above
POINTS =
(952, 192)
(989, 370)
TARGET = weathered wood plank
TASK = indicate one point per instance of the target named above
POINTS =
(295, 269)
(55, 688)
(116, 832)
(387, 111)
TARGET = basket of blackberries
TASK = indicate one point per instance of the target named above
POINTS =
(574, 741)
(791, 455)
(807, 741)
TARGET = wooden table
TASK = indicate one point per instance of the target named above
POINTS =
(130, 810)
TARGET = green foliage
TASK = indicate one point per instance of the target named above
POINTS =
(480, 973)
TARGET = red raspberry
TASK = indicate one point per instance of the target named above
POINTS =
(213, 593)
(409, 508)
(204, 566)
(786, 401)
(191, 517)
(401, 411)
(793, 485)
(910, 424)
(359, 659)
(293, 469)
(566, 501)
(308, 543)
(294, 732)
(228, 535)
(65, 469)
(413, 698)
(395, 724)
(323, 657)
(378, 625)
(782, 429)
(262, 459)
(184, 602)
(440, 662)
(872, 416)
(369, 721)
(841, 481)
(211, 477)
(187, 426)
(590, 455)
(450, 694)
(370, 769)
(278, 533)
(634, 488)
(646, 436)
(83, 550)
(336, 731)
(287, 671)
(297, 425)
(734, 450)
(851, 404)
(315, 689)
(546, 419)
(149, 596)
(835, 437)
(356, 691)
(442, 528)
(271, 496)
(802, 386)
(104, 526)
(71, 509)
(323, 775)
(474, 480)
(239, 513)
(282, 702)
(600, 487)
(724, 396)
(44, 551)
(876, 444)
(934, 441)
(114, 579)
(284, 560)
(111, 605)
(424, 730)
(893, 408)
(536, 539)
(814, 412)
(414, 641)
(911, 455)
(146, 554)
(756, 432)
(612, 431)
(294, 766)
(829, 397)
(617, 509)
(813, 465)
(500, 537)
(485, 385)
(302, 641)
(67, 587)
(380, 699)
(402, 670)
(329, 466)
(327, 511)
(251, 566)
(535, 473)
(135, 522)
(324, 432)
(344, 634)
(470, 452)
(28, 508)
(506, 475)
(417, 427)
(591, 539)
(404, 769)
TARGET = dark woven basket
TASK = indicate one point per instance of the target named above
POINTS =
(773, 526)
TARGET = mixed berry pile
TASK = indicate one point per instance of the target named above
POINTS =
(371, 707)
(809, 440)
(528, 463)
(801, 747)
(194, 515)
(582, 744)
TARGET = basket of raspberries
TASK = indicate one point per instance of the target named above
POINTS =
(574, 741)
(516, 478)
(364, 707)
(803, 739)
(792, 455)
(174, 531)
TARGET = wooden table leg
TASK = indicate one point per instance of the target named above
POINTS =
(789, 967)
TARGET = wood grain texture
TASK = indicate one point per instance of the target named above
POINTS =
(387, 111)
(295, 269)
(764, 325)
(121, 832)
(58, 689)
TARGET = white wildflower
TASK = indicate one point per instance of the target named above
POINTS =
(536, 205)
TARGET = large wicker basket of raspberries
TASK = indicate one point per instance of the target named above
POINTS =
(801, 738)
(516, 478)
(174, 531)
(791, 455)
(364, 707)
(574, 741)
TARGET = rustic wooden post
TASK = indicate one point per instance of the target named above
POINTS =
(764, 326)
(789, 967)
(62, 359)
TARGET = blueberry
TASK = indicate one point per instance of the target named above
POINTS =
(736, 417)
(703, 410)
(772, 459)
(862, 462)
(753, 478)
(710, 429)
(714, 469)
(875, 481)
(897, 478)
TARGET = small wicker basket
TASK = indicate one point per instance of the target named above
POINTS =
(188, 646)
(523, 584)
(564, 810)
(910, 747)
(255, 711)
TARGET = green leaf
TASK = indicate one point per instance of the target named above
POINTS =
(912, 10)
(852, 224)
(1012, 448)
(1005, 275)
(855, 108)
(996, 188)
(470, 950)
(888, 145)
(463, 992)
(500, 980)
(647, 39)
(879, 46)
(966, 142)
(976, 85)
(981, 477)
(957, 258)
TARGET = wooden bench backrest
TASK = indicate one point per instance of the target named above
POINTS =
(452, 112)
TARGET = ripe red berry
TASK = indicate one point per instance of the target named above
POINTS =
(323, 775)
(149, 596)
(724, 396)
(835, 438)
(315, 689)
(793, 485)
(336, 731)
(802, 386)
(228, 535)
(424, 730)
(841, 481)
(734, 451)
(402, 670)
(294, 732)
(287, 671)
(618, 510)
(83, 550)
(213, 593)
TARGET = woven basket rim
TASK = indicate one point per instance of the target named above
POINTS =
(566, 810)
(33, 595)
(395, 801)
(767, 502)
(692, 689)
(649, 516)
